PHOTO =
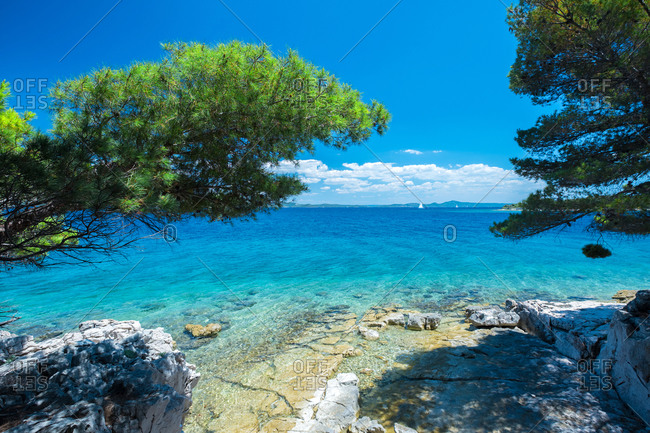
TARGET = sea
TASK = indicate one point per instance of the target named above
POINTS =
(299, 258)
(259, 278)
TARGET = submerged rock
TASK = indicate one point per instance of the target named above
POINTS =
(368, 334)
(380, 317)
(376, 325)
(108, 377)
(493, 317)
(624, 296)
(200, 331)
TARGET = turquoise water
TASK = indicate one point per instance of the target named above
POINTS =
(258, 275)
(275, 284)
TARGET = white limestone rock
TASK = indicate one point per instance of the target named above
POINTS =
(399, 428)
(493, 317)
(340, 407)
(473, 309)
(577, 329)
(422, 321)
(366, 425)
(396, 319)
(110, 376)
(625, 357)
(337, 410)
(368, 334)
(611, 339)
(13, 346)
(311, 426)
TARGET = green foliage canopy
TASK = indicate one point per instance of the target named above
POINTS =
(592, 57)
(13, 127)
(198, 133)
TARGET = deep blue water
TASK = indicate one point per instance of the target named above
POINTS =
(299, 258)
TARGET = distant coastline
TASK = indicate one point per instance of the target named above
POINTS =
(447, 204)
(512, 207)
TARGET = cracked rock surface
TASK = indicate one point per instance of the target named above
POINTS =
(491, 380)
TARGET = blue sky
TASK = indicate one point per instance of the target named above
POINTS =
(439, 67)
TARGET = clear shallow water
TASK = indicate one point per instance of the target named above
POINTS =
(275, 284)
(308, 259)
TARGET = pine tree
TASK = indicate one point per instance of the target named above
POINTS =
(196, 134)
(592, 58)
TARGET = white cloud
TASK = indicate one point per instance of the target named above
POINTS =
(418, 152)
(429, 181)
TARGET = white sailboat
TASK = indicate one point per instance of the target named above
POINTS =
(421, 206)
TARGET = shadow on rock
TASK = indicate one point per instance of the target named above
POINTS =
(497, 380)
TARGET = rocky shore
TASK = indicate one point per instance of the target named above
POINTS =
(108, 377)
(609, 340)
(561, 367)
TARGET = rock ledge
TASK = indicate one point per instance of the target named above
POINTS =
(109, 377)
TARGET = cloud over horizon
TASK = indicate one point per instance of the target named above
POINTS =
(374, 183)
(419, 152)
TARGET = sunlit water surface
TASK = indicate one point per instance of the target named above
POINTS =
(260, 279)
